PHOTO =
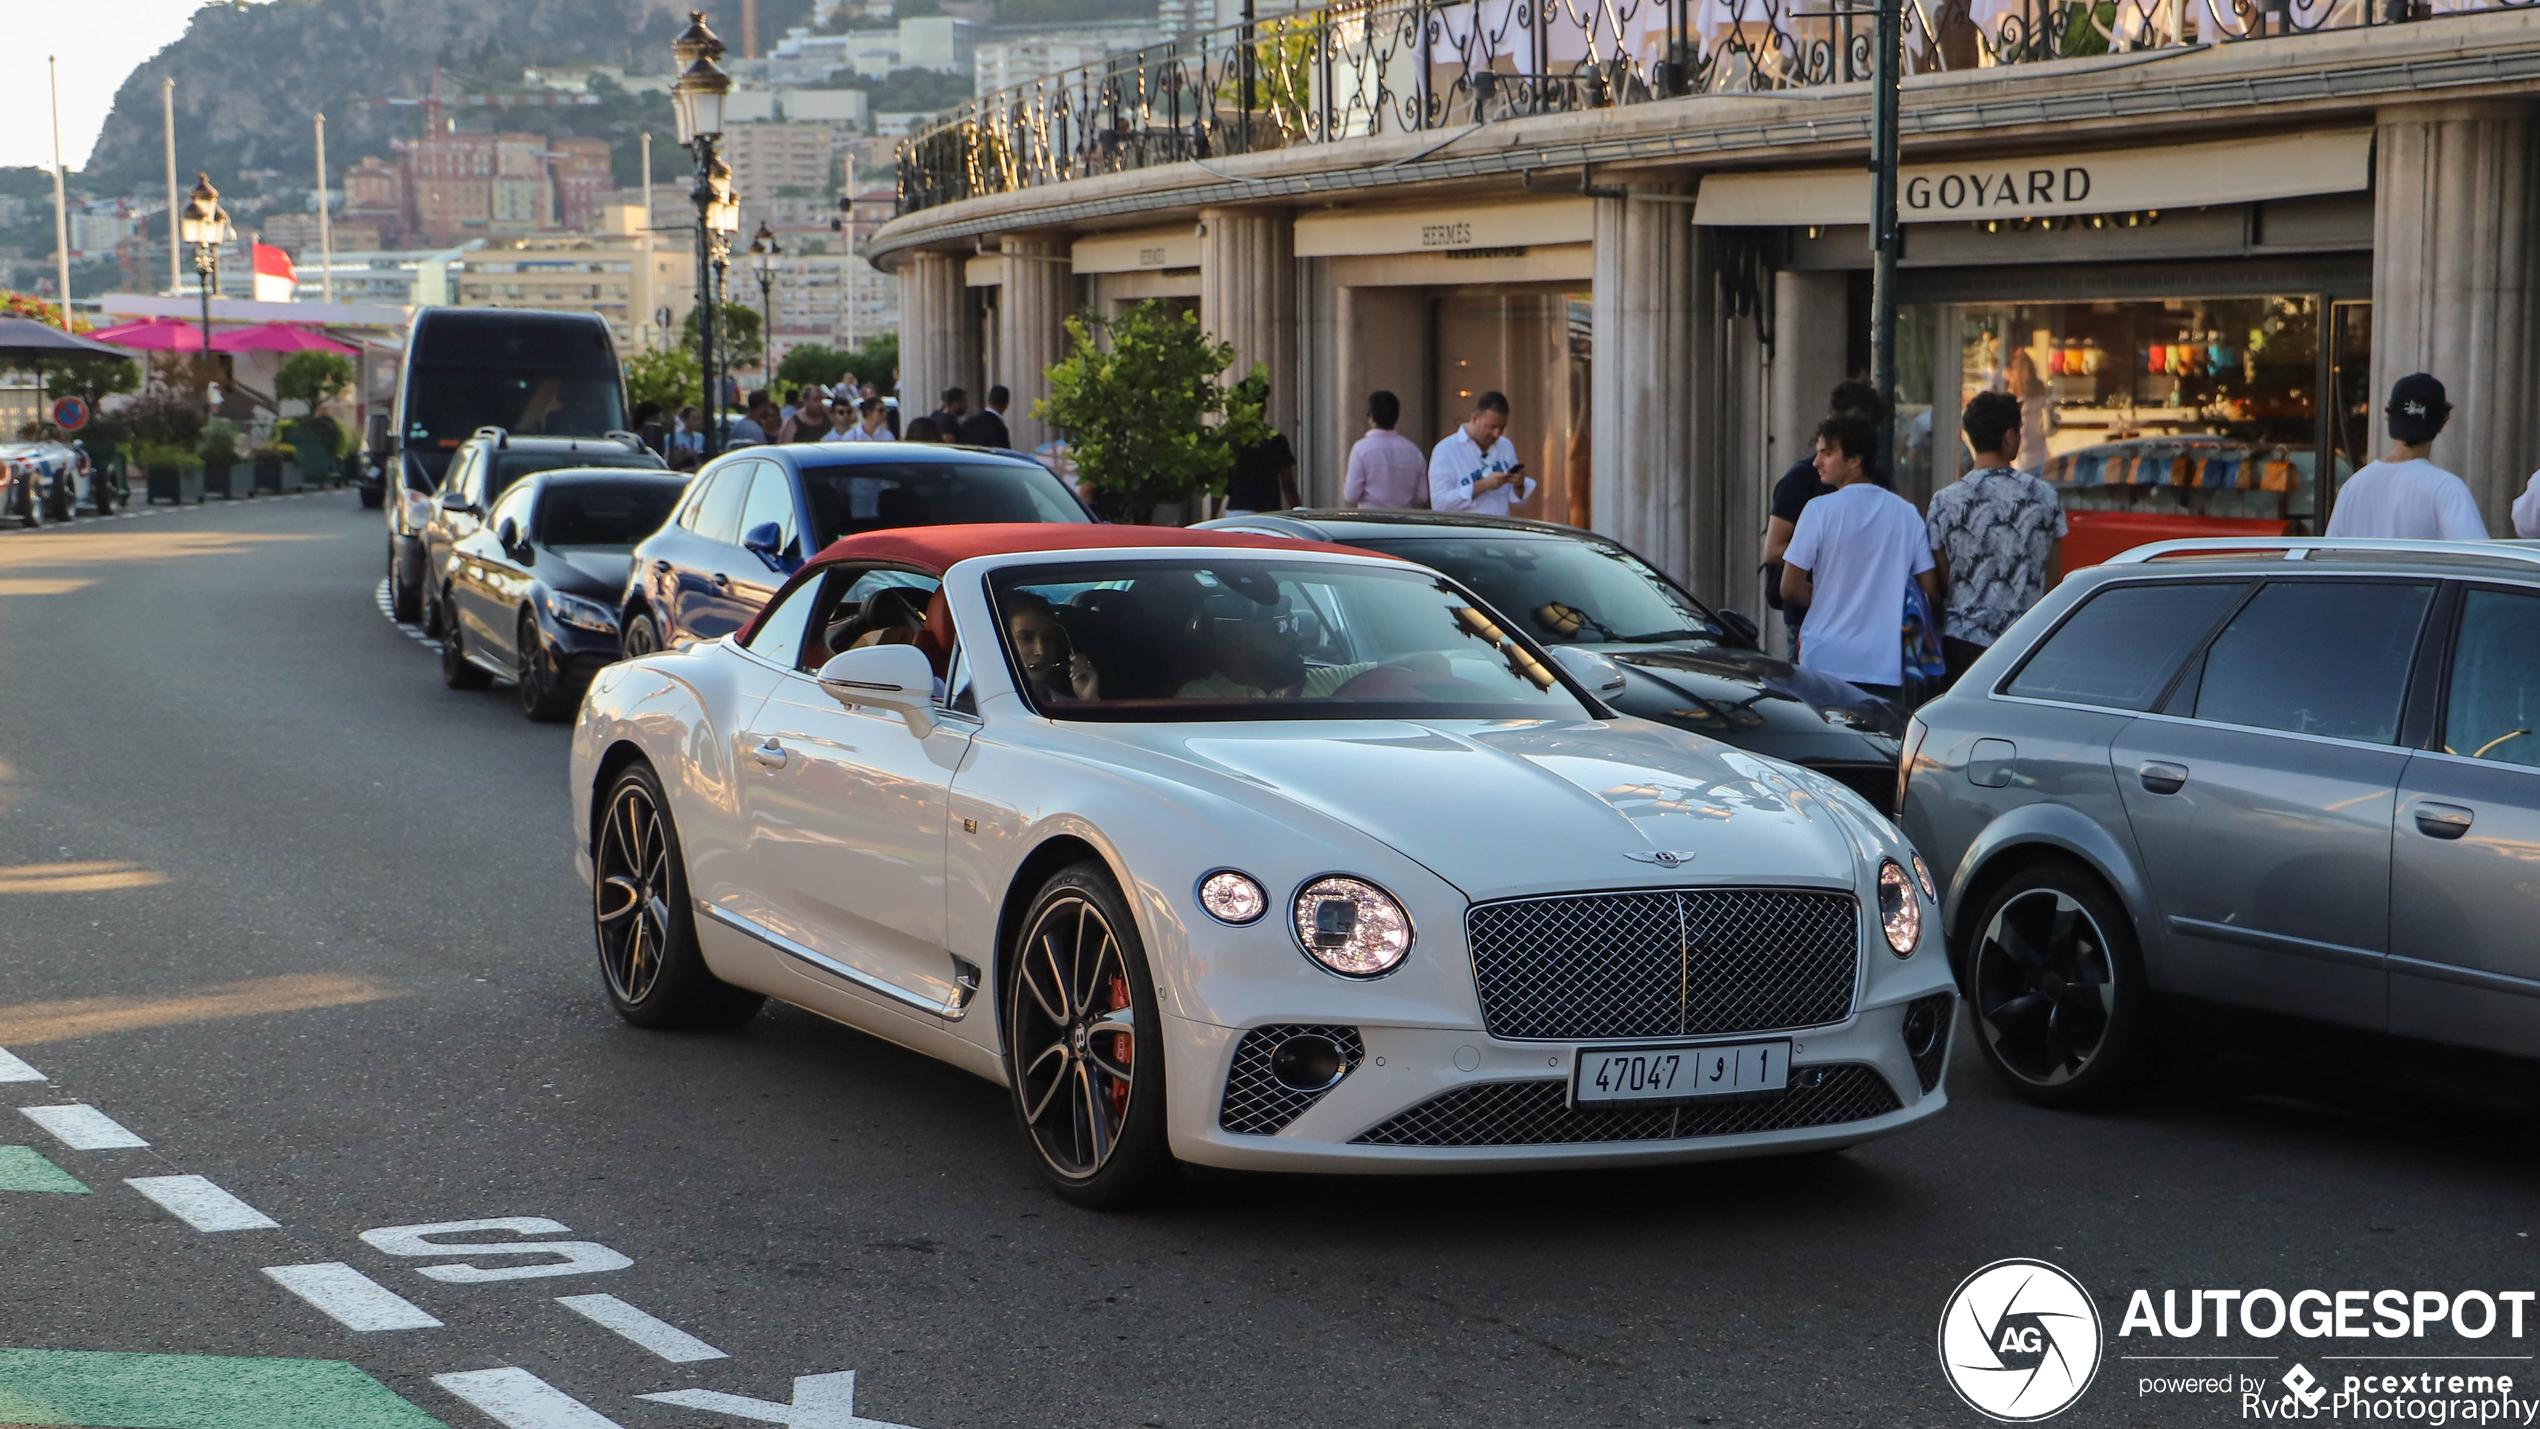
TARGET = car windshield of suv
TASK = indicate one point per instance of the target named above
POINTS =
(607, 515)
(510, 467)
(1263, 639)
(869, 496)
(445, 405)
(1568, 592)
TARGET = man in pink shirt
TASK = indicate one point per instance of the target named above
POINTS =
(1386, 470)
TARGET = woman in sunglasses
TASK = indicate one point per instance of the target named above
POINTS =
(1054, 669)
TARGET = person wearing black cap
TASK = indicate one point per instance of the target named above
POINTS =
(2404, 496)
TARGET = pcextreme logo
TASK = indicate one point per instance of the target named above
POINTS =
(2020, 1341)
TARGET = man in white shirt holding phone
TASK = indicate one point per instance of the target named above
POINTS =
(1476, 468)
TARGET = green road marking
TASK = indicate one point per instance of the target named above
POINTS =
(23, 1168)
(115, 1391)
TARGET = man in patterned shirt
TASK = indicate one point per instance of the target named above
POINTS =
(1997, 535)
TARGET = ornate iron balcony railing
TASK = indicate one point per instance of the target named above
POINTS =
(1352, 71)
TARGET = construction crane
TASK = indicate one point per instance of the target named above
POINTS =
(435, 101)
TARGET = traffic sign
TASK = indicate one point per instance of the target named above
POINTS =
(71, 413)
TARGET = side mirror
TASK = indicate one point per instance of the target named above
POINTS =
(1600, 673)
(898, 678)
(375, 436)
(766, 540)
(507, 535)
(455, 500)
(1741, 627)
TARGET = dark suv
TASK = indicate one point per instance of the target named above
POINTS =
(2294, 779)
(481, 470)
(752, 518)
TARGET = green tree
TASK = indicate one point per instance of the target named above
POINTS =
(1135, 396)
(313, 377)
(737, 333)
(671, 378)
(811, 362)
(94, 378)
(876, 360)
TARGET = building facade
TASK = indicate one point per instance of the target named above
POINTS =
(2197, 243)
(623, 273)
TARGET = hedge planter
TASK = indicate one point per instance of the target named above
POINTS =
(314, 466)
(224, 479)
(181, 485)
(269, 471)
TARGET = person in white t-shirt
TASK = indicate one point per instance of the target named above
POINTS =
(2527, 510)
(1850, 558)
(2403, 496)
(1476, 468)
(872, 425)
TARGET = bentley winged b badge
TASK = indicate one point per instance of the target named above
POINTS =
(1664, 858)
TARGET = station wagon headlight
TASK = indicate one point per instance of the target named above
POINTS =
(1900, 912)
(1351, 926)
(585, 614)
(1231, 897)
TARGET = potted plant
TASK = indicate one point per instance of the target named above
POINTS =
(1146, 420)
(313, 441)
(220, 459)
(273, 460)
(176, 473)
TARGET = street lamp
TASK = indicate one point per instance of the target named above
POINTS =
(205, 224)
(697, 98)
(766, 250)
(844, 224)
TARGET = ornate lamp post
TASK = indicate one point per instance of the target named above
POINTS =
(205, 224)
(844, 223)
(697, 96)
(764, 251)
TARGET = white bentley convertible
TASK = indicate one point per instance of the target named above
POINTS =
(1249, 852)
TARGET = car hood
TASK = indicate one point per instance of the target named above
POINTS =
(1755, 700)
(596, 571)
(1503, 808)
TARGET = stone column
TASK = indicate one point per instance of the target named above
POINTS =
(939, 343)
(2452, 290)
(1247, 297)
(1810, 314)
(1032, 328)
(1641, 472)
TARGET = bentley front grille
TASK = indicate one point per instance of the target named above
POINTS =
(1538, 1113)
(1691, 963)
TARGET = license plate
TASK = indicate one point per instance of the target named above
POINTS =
(1674, 1074)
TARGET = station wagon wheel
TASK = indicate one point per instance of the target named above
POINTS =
(655, 974)
(640, 637)
(1083, 1047)
(2057, 989)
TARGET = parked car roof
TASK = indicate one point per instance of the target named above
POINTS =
(1307, 522)
(939, 548)
(2510, 560)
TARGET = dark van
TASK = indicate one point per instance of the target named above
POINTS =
(529, 373)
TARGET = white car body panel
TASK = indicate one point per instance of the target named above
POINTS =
(1442, 814)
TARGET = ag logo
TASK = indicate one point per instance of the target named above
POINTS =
(2020, 1340)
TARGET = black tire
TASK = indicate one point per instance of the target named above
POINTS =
(640, 636)
(2055, 982)
(543, 695)
(405, 603)
(65, 503)
(1094, 1123)
(32, 511)
(435, 612)
(457, 671)
(641, 920)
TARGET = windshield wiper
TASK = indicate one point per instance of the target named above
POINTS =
(1656, 636)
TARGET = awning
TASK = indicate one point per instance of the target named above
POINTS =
(2048, 185)
(154, 335)
(277, 337)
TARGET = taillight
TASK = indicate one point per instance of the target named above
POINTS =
(1915, 729)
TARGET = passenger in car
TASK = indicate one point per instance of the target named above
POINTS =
(1051, 666)
(1255, 653)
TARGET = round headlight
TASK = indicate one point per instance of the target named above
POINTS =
(1351, 926)
(1900, 912)
(1922, 875)
(1231, 897)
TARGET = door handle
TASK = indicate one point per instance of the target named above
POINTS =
(2443, 821)
(772, 755)
(722, 580)
(2162, 777)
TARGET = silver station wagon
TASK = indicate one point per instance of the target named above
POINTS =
(2296, 777)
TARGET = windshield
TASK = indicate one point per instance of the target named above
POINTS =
(1263, 639)
(445, 405)
(598, 513)
(506, 468)
(1567, 592)
(869, 496)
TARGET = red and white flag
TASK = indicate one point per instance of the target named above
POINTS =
(276, 280)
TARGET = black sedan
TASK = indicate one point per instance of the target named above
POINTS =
(533, 590)
(1681, 663)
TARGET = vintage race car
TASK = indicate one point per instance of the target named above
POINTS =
(1250, 852)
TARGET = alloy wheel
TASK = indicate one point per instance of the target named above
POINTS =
(1075, 1036)
(639, 638)
(631, 896)
(2044, 987)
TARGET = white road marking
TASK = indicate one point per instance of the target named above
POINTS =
(13, 1070)
(522, 1400)
(82, 1128)
(581, 1257)
(200, 1204)
(821, 1401)
(660, 1336)
(354, 1299)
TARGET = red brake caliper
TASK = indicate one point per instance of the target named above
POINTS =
(1124, 1046)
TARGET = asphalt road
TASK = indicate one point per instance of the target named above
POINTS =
(222, 768)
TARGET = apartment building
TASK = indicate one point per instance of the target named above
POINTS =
(621, 272)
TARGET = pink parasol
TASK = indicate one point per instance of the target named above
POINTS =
(276, 337)
(154, 335)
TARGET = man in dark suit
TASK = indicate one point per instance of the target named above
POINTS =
(986, 427)
(948, 417)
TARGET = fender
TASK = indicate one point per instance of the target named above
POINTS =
(2055, 826)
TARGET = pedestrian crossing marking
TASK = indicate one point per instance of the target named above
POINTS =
(130, 1391)
(23, 1168)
